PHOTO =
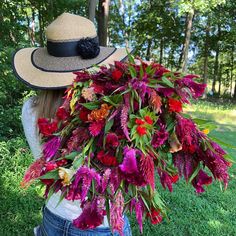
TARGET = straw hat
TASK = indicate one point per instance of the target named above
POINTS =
(72, 45)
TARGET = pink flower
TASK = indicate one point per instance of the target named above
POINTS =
(50, 147)
(96, 127)
(116, 212)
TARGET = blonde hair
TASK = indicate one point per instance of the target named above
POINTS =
(46, 103)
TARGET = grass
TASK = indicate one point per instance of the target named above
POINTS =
(211, 213)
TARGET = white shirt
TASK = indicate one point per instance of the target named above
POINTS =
(66, 209)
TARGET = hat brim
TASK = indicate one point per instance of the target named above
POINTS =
(26, 71)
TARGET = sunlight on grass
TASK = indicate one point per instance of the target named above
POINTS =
(215, 112)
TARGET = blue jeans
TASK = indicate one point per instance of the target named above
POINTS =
(54, 225)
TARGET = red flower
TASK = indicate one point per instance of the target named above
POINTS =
(116, 75)
(106, 159)
(62, 114)
(97, 88)
(141, 130)
(47, 128)
(49, 166)
(155, 216)
(139, 121)
(83, 115)
(174, 105)
(62, 162)
(174, 178)
(112, 140)
(148, 120)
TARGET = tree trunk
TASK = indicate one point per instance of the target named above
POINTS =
(92, 9)
(103, 12)
(161, 50)
(206, 54)
(187, 40)
(41, 41)
(231, 70)
(234, 97)
(148, 53)
(219, 79)
(216, 65)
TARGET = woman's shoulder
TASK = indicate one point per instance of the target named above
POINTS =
(28, 104)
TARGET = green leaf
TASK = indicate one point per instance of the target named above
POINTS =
(130, 57)
(157, 201)
(145, 203)
(141, 72)
(91, 105)
(108, 125)
(71, 156)
(229, 158)
(195, 173)
(221, 142)
(167, 82)
(114, 100)
(62, 196)
(132, 71)
(108, 211)
(50, 175)
(78, 161)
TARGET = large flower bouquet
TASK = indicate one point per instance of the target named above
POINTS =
(119, 131)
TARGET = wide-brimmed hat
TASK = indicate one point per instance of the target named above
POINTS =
(72, 45)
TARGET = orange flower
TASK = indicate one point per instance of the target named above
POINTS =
(206, 131)
(99, 114)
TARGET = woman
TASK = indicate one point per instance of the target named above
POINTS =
(71, 46)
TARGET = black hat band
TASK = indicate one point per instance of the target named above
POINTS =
(86, 48)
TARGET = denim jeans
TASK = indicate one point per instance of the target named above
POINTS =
(54, 225)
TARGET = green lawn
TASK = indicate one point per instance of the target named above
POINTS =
(211, 213)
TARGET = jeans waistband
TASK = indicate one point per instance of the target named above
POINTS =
(60, 222)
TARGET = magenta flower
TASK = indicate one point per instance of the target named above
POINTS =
(83, 179)
(92, 215)
(165, 179)
(129, 167)
(196, 89)
(201, 179)
(215, 161)
(129, 164)
(50, 147)
(159, 137)
(188, 134)
(167, 92)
